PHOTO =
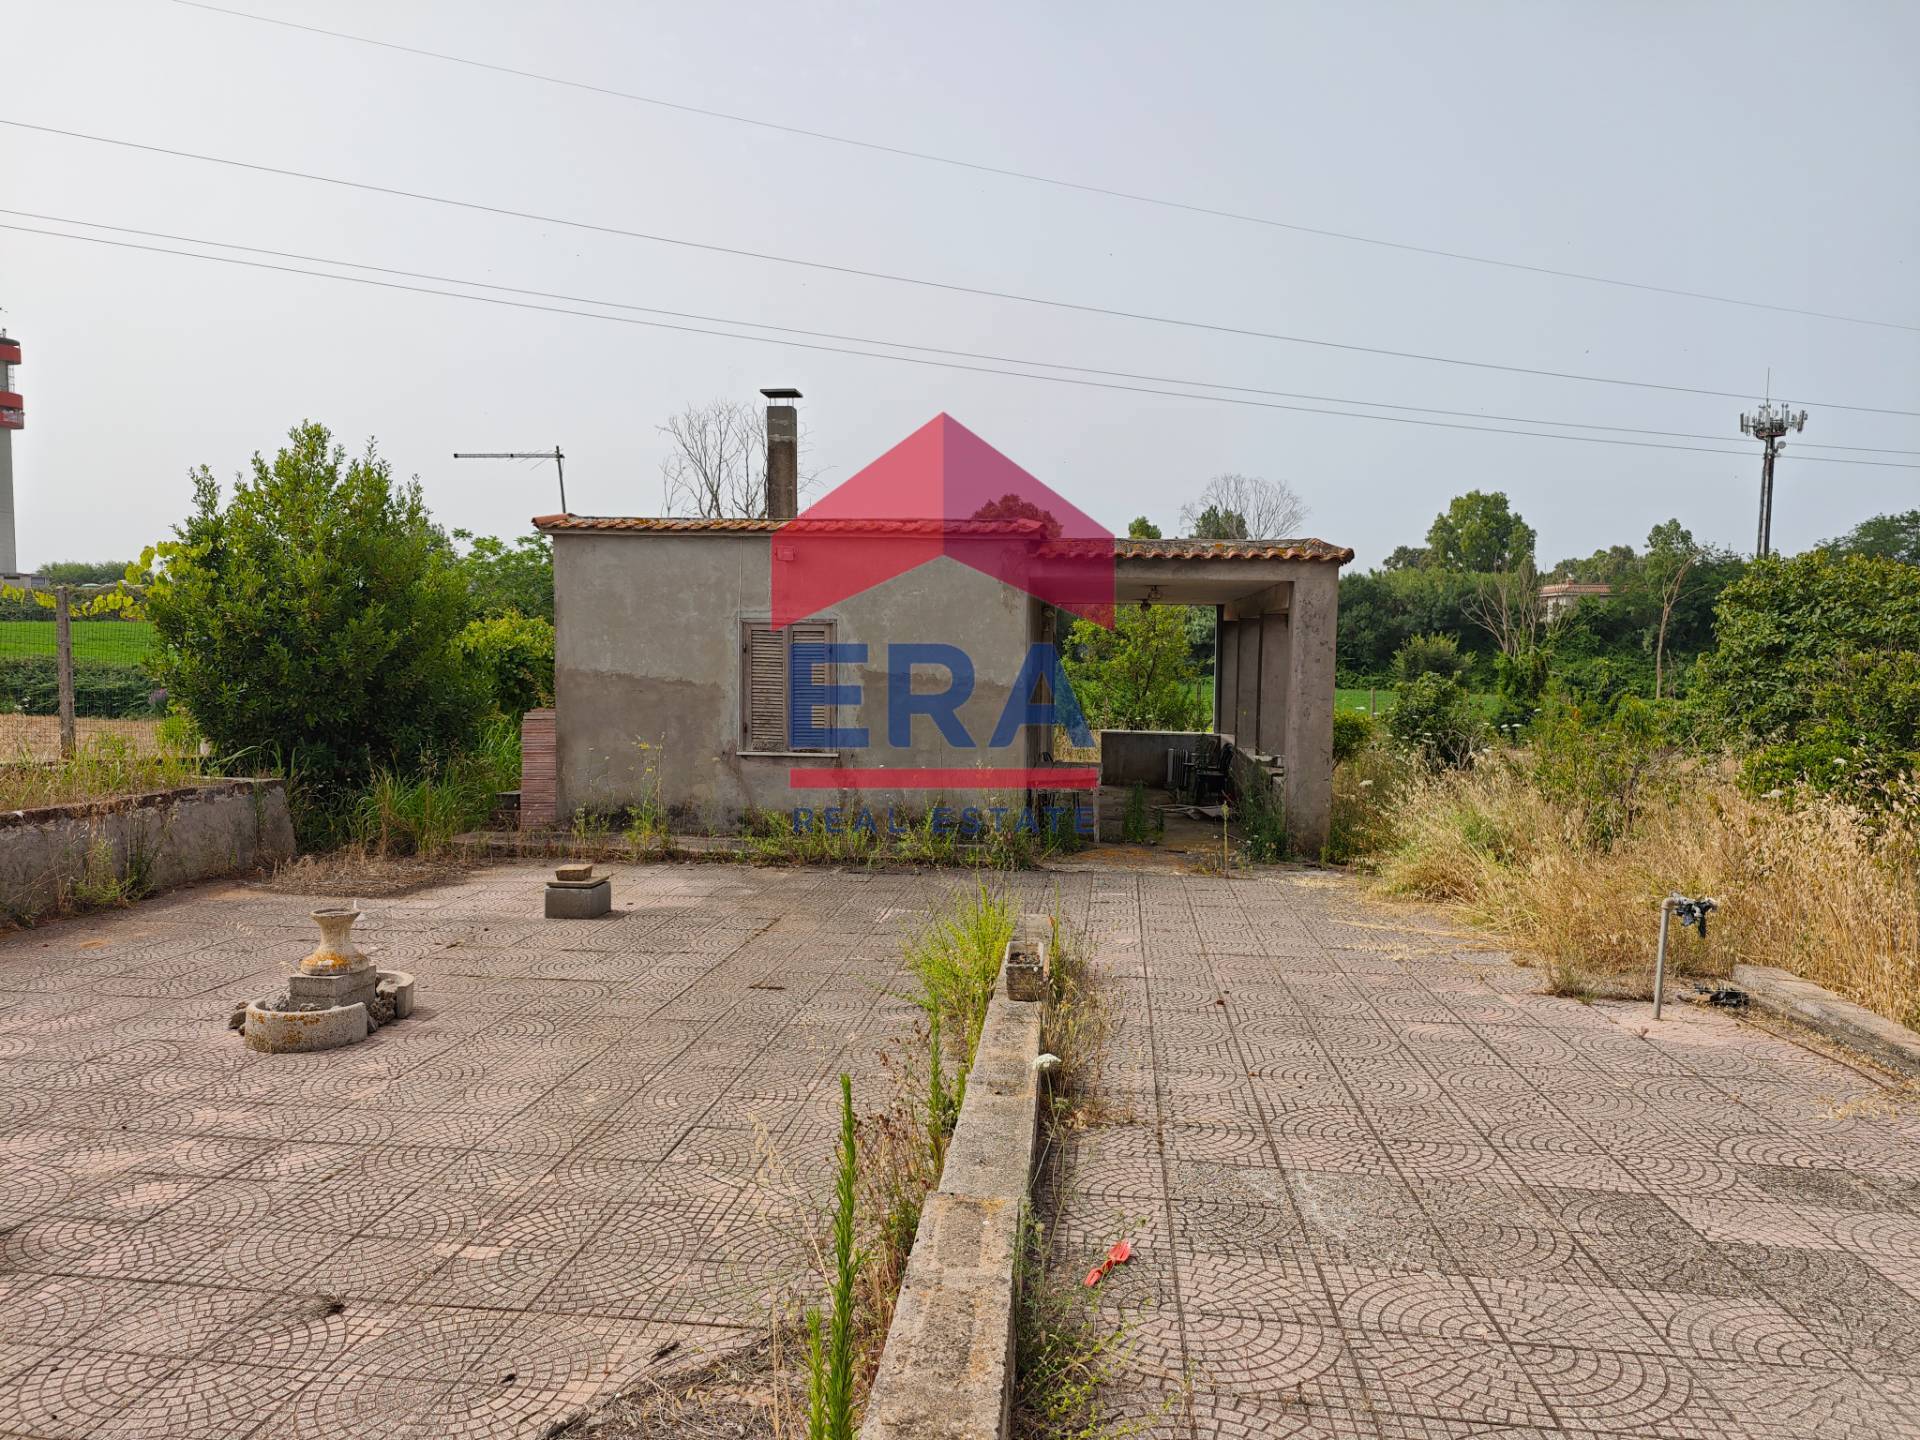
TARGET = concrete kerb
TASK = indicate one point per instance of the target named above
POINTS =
(947, 1370)
(1891, 1046)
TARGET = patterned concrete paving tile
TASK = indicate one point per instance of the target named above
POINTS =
(1522, 1216)
(76, 1394)
(206, 1401)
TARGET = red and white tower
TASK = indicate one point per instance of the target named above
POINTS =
(13, 416)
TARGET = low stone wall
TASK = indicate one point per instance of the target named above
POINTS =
(1139, 757)
(947, 1370)
(1778, 992)
(145, 842)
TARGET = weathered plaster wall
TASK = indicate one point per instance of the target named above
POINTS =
(648, 674)
(1139, 757)
(167, 838)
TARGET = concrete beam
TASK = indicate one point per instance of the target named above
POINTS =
(1890, 1046)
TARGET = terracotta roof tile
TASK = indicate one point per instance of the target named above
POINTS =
(1302, 549)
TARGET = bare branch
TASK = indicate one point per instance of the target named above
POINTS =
(1271, 509)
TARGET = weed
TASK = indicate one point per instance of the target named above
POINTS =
(830, 1374)
(1067, 1356)
(956, 959)
(1075, 1026)
(1263, 822)
(102, 767)
(1136, 826)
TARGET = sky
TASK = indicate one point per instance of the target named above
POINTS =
(1753, 151)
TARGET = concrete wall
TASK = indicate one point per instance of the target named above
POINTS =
(648, 674)
(154, 841)
(1139, 757)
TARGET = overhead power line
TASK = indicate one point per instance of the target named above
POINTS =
(905, 359)
(940, 285)
(1036, 178)
(841, 336)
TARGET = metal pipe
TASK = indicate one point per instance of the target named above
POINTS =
(1660, 956)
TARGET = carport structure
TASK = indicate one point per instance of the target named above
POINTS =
(1276, 607)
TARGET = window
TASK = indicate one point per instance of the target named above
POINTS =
(765, 658)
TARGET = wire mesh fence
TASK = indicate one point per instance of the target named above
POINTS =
(70, 673)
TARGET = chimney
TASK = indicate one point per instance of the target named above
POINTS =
(783, 454)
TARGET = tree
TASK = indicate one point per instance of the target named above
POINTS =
(1213, 523)
(513, 656)
(505, 579)
(716, 463)
(1405, 557)
(1506, 604)
(314, 616)
(1266, 509)
(1891, 537)
(83, 572)
(1429, 655)
(1141, 528)
(1480, 532)
(1818, 667)
(1139, 675)
(1671, 555)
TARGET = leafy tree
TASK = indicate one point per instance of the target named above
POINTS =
(1818, 667)
(1890, 537)
(1480, 532)
(314, 616)
(509, 579)
(1405, 557)
(513, 655)
(1139, 675)
(1213, 523)
(1141, 528)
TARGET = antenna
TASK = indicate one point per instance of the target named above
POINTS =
(559, 463)
(1767, 425)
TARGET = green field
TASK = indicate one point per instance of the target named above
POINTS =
(1357, 699)
(112, 642)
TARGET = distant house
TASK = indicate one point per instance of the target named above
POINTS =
(1558, 599)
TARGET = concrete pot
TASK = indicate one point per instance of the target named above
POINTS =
(336, 951)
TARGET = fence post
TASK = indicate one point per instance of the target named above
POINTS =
(63, 642)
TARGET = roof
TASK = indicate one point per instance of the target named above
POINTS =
(1302, 549)
(1577, 587)
(690, 525)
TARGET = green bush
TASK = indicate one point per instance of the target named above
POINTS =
(1817, 672)
(314, 617)
(513, 655)
(1429, 655)
(31, 686)
(1353, 731)
(1598, 764)
(1435, 719)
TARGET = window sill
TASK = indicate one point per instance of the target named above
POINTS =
(816, 755)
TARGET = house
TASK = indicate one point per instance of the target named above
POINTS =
(886, 662)
(1559, 598)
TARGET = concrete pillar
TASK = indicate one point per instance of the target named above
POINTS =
(1276, 637)
(1310, 674)
(1246, 718)
(1226, 675)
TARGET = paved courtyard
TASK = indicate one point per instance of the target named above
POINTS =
(584, 1158)
(1379, 1188)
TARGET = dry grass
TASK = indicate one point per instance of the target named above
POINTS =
(756, 1392)
(1804, 884)
(356, 872)
(37, 737)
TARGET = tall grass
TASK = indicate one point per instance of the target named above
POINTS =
(1805, 883)
(419, 813)
(830, 1359)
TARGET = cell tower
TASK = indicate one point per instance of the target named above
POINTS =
(1767, 425)
(13, 416)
